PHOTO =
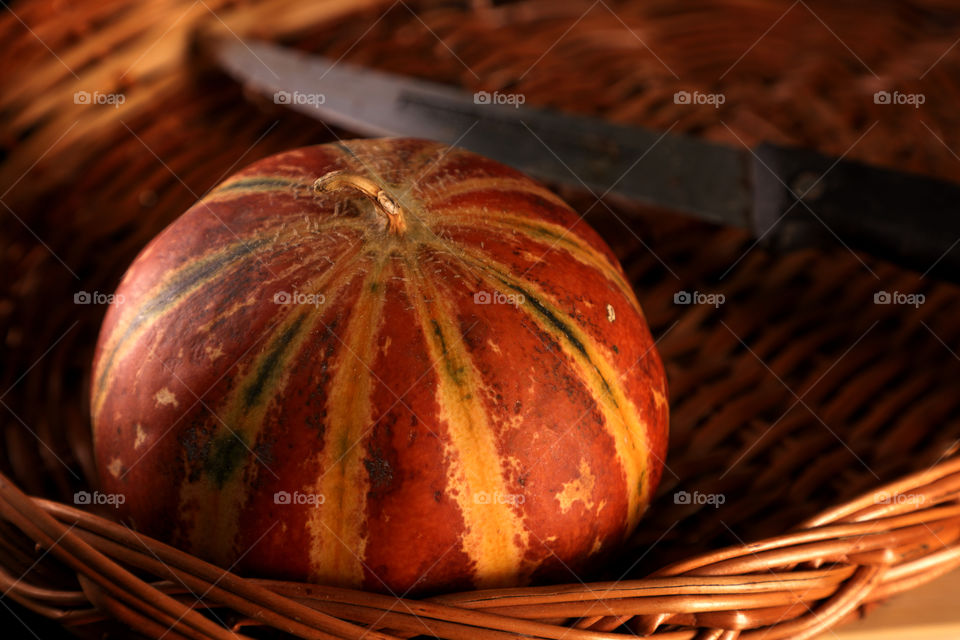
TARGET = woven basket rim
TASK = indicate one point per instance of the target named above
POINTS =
(861, 551)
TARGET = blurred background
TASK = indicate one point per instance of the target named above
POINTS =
(110, 127)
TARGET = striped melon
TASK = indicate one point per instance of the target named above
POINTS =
(420, 372)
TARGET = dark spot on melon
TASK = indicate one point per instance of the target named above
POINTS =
(437, 332)
(316, 422)
(264, 451)
(379, 470)
(227, 454)
(195, 443)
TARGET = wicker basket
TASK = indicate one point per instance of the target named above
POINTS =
(827, 425)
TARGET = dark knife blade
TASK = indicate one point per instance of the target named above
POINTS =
(786, 197)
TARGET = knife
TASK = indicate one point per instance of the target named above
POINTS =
(785, 197)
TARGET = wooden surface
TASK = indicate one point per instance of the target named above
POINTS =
(930, 612)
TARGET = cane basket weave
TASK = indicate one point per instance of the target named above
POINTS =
(821, 427)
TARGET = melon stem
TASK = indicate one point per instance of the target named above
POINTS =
(383, 202)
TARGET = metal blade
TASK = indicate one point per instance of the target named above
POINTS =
(671, 171)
